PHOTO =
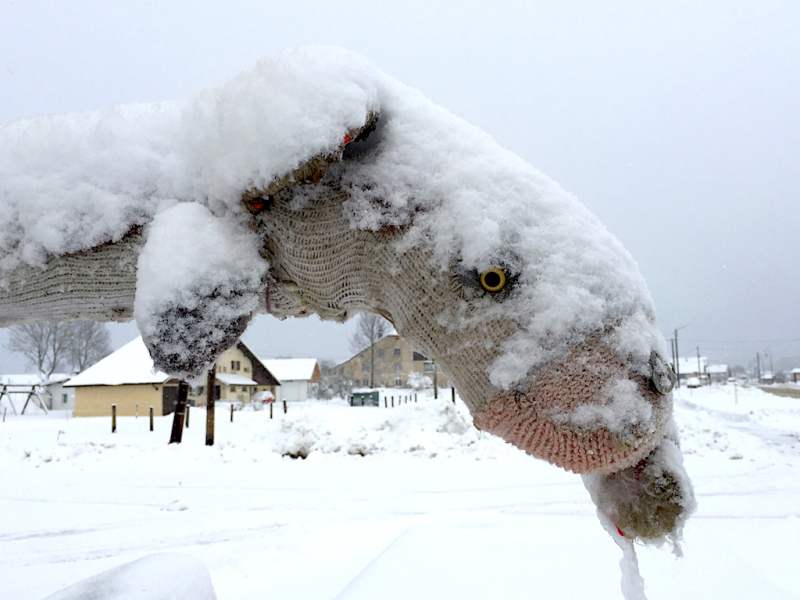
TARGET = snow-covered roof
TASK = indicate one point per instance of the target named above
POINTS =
(290, 369)
(687, 365)
(23, 379)
(129, 364)
(796, 370)
(717, 368)
(57, 378)
(234, 379)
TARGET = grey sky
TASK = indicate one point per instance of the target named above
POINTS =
(675, 122)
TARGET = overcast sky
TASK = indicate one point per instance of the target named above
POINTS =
(676, 122)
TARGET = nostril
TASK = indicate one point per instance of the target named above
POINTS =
(662, 377)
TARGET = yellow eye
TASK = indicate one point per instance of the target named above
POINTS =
(493, 280)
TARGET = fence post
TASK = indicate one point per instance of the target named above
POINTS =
(211, 380)
(180, 408)
(415, 396)
(231, 412)
(385, 402)
(453, 393)
(113, 418)
(284, 407)
(151, 418)
(270, 408)
(187, 416)
(392, 401)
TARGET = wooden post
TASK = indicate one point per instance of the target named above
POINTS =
(231, 412)
(178, 417)
(270, 408)
(415, 396)
(211, 380)
(113, 418)
(151, 418)
(453, 393)
(435, 384)
(284, 407)
(5, 410)
(385, 402)
(392, 401)
(187, 416)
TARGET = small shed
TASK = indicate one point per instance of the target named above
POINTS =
(372, 398)
(794, 375)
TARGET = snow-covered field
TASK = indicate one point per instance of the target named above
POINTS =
(410, 502)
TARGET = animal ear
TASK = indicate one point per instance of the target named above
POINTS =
(310, 171)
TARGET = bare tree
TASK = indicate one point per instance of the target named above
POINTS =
(370, 329)
(43, 344)
(89, 341)
(51, 346)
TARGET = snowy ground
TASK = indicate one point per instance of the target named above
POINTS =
(409, 502)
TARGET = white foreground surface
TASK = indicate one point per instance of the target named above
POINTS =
(433, 508)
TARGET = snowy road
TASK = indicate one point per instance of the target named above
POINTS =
(426, 514)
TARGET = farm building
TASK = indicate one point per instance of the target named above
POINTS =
(395, 360)
(126, 378)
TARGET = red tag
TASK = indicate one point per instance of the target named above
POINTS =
(619, 531)
(346, 139)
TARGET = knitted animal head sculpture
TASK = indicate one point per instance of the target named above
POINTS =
(316, 184)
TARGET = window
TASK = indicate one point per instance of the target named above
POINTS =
(398, 368)
(398, 352)
(365, 368)
(366, 383)
(398, 382)
(428, 368)
(236, 365)
(233, 388)
(64, 398)
(381, 352)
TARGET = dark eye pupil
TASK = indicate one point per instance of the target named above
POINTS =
(492, 279)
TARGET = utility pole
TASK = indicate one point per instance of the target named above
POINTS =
(678, 356)
(758, 365)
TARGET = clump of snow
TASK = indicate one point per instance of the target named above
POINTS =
(418, 381)
(622, 408)
(427, 430)
(164, 576)
(198, 283)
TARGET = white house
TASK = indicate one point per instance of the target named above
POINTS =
(692, 367)
(56, 396)
(299, 377)
(718, 373)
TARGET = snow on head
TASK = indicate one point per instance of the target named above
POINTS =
(71, 182)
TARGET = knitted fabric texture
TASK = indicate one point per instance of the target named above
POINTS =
(352, 193)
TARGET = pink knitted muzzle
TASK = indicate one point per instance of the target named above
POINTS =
(539, 421)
